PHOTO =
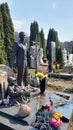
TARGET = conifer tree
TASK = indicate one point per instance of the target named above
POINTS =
(8, 29)
(42, 42)
(59, 56)
(72, 49)
(34, 30)
(53, 36)
(2, 51)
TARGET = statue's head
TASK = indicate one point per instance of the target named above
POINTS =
(11, 80)
(21, 36)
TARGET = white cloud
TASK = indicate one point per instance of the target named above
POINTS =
(54, 5)
(18, 24)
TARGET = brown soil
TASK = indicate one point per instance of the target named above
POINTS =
(71, 126)
(59, 84)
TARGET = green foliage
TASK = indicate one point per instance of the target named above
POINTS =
(72, 50)
(34, 30)
(3, 58)
(53, 36)
(59, 57)
(42, 42)
(8, 30)
(41, 38)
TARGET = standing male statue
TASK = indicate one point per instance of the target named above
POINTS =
(19, 51)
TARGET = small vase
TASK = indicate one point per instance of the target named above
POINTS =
(42, 85)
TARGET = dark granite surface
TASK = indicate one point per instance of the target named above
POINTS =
(11, 119)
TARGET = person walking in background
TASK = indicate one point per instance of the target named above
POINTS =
(20, 51)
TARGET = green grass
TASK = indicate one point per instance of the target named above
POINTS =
(40, 68)
(31, 71)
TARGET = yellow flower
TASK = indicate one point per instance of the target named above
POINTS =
(40, 75)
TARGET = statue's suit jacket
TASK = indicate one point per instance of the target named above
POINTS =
(19, 51)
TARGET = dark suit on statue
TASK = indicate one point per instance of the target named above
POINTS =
(19, 51)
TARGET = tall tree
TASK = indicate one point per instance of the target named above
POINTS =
(42, 42)
(72, 49)
(8, 29)
(34, 30)
(2, 51)
(59, 57)
(53, 36)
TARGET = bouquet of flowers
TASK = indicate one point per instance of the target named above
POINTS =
(40, 75)
(42, 78)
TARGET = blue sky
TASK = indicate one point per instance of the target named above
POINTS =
(57, 14)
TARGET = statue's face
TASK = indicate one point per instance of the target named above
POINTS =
(21, 36)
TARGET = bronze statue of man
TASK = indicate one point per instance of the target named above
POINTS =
(19, 51)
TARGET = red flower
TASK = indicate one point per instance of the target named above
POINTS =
(47, 107)
(54, 62)
(51, 101)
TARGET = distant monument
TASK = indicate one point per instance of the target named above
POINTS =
(33, 56)
(71, 59)
(68, 58)
(65, 55)
(52, 54)
(41, 56)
